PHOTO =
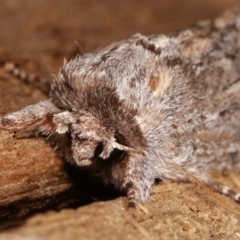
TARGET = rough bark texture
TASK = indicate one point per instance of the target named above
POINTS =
(33, 178)
(31, 174)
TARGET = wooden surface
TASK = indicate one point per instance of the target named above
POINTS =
(34, 179)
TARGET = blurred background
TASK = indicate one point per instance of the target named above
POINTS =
(44, 32)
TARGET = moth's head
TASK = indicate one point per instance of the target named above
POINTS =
(90, 139)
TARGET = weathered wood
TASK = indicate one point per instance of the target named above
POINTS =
(30, 172)
(181, 216)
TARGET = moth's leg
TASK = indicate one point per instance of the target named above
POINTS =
(61, 143)
(32, 79)
(220, 188)
(138, 179)
(31, 120)
(39, 118)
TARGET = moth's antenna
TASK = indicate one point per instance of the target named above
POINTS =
(79, 47)
(205, 188)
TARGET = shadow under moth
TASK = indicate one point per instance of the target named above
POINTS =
(147, 107)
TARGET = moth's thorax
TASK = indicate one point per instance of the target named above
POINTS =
(134, 89)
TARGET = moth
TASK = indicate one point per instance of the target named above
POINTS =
(133, 110)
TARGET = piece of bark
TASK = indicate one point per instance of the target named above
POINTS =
(31, 174)
(167, 215)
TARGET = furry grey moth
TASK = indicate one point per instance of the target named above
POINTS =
(131, 111)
